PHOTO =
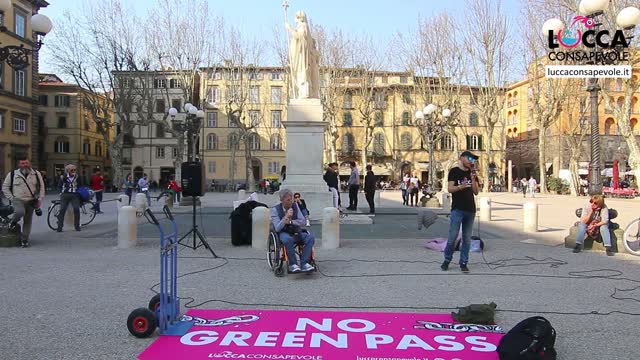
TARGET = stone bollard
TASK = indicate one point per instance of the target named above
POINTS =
(376, 199)
(530, 212)
(330, 228)
(260, 221)
(123, 200)
(485, 209)
(141, 202)
(242, 195)
(127, 227)
(446, 202)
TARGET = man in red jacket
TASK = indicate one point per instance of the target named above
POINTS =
(173, 185)
(97, 185)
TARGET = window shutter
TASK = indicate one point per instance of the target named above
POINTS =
(479, 142)
(468, 142)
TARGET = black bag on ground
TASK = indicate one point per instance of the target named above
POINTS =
(532, 339)
(241, 223)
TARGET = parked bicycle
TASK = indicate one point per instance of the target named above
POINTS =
(87, 212)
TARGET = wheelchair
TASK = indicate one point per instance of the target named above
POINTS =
(277, 256)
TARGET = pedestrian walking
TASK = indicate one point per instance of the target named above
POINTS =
(532, 186)
(354, 187)
(128, 186)
(370, 189)
(97, 185)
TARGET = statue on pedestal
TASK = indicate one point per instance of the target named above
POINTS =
(304, 59)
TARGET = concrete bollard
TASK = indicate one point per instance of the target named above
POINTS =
(376, 199)
(260, 221)
(485, 209)
(530, 213)
(127, 227)
(242, 195)
(446, 202)
(123, 200)
(141, 202)
(330, 228)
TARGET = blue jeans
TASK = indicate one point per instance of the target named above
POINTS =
(604, 231)
(289, 243)
(457, 218)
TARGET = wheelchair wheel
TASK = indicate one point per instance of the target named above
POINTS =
(273, 251)
(631, 238)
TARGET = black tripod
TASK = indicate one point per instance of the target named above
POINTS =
(196, 233)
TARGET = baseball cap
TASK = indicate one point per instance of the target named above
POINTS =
(467, 153)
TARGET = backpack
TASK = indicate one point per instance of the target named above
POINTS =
(531, 339)
(85, 193)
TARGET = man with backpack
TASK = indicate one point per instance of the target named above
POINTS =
(24, 187)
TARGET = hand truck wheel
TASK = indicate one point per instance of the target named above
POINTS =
(142, 323)
(154, 303)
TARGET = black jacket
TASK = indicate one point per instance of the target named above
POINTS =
(370, 182)
(331, 178)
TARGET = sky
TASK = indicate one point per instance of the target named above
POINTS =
(377, 18)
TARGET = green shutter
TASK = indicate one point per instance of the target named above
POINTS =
(468, 142)
(479, 142)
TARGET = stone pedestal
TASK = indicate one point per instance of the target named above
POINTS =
(530, 217)
(485, 209)
(589, 244)
(330, 228)
(446, 202)
(260, 222)
(305, 146)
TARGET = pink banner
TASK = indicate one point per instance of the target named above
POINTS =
(323, 335)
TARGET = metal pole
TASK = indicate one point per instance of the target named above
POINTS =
(595, 184)
(431, 161)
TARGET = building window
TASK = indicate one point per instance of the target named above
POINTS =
(212, 119)
(347, 120)
(274, 167)
(276, 95)
(404, 79)
(98, 148)
(474, 142)
(405, 141)
(406, 98)
(276, 119)
(379, 122)
(378, 144)
(1, 120)
(234, 120)
(61, 145)
(380, 100)
(18, 82)
(609, 127)
(348, 101)
(446, 143)
(255, 141)
(473, 119)
(213, 95)
(160, 152)
(175, 84)
(62, 101)
(86, 148)
(159, 130)
(216, 75)
(234, 144)
(43, 100)
(1, 69)
(62, 122)
(276, 76)
(211, 167)
(276, 142)
(20, 20)
(254, 116)
(406, 121)
(234, 93)
(176, 104)
(159, 83)
(160, 108)
(254, 95)
(19, 125)
(212, 142)
(348, 144)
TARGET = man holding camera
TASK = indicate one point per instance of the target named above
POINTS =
(24, 187)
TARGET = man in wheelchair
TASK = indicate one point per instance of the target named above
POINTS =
(288, 221)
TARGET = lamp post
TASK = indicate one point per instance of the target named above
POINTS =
(431, 127)
(17, 56)
(627, 20)
(191, 125)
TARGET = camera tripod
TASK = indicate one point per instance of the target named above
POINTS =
(196, 234)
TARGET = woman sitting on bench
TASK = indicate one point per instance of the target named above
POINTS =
(594, 220)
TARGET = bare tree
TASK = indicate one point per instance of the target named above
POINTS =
(437, 76)
(547, 96)
(92, 48)
(574, 133)
(488, 46)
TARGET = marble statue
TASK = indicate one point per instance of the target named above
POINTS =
(304, 60)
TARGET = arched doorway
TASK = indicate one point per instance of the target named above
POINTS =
(256, 167)
(138, 172)
(406, 168)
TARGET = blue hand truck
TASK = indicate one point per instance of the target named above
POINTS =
(164, 308)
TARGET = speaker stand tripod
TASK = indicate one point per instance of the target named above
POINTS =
(196, 234)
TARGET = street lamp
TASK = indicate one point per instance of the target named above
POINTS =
(191, 125)
(431, 127)
(17, 56)
(627, 19)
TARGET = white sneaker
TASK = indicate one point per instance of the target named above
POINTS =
(308, 223)
(294, 268)
(307, 267)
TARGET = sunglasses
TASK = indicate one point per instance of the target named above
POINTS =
(72, 170)
(473, 160)
(297, 197)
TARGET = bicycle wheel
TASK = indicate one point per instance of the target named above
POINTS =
(631, 238)
(87, 213)
(52, 216)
